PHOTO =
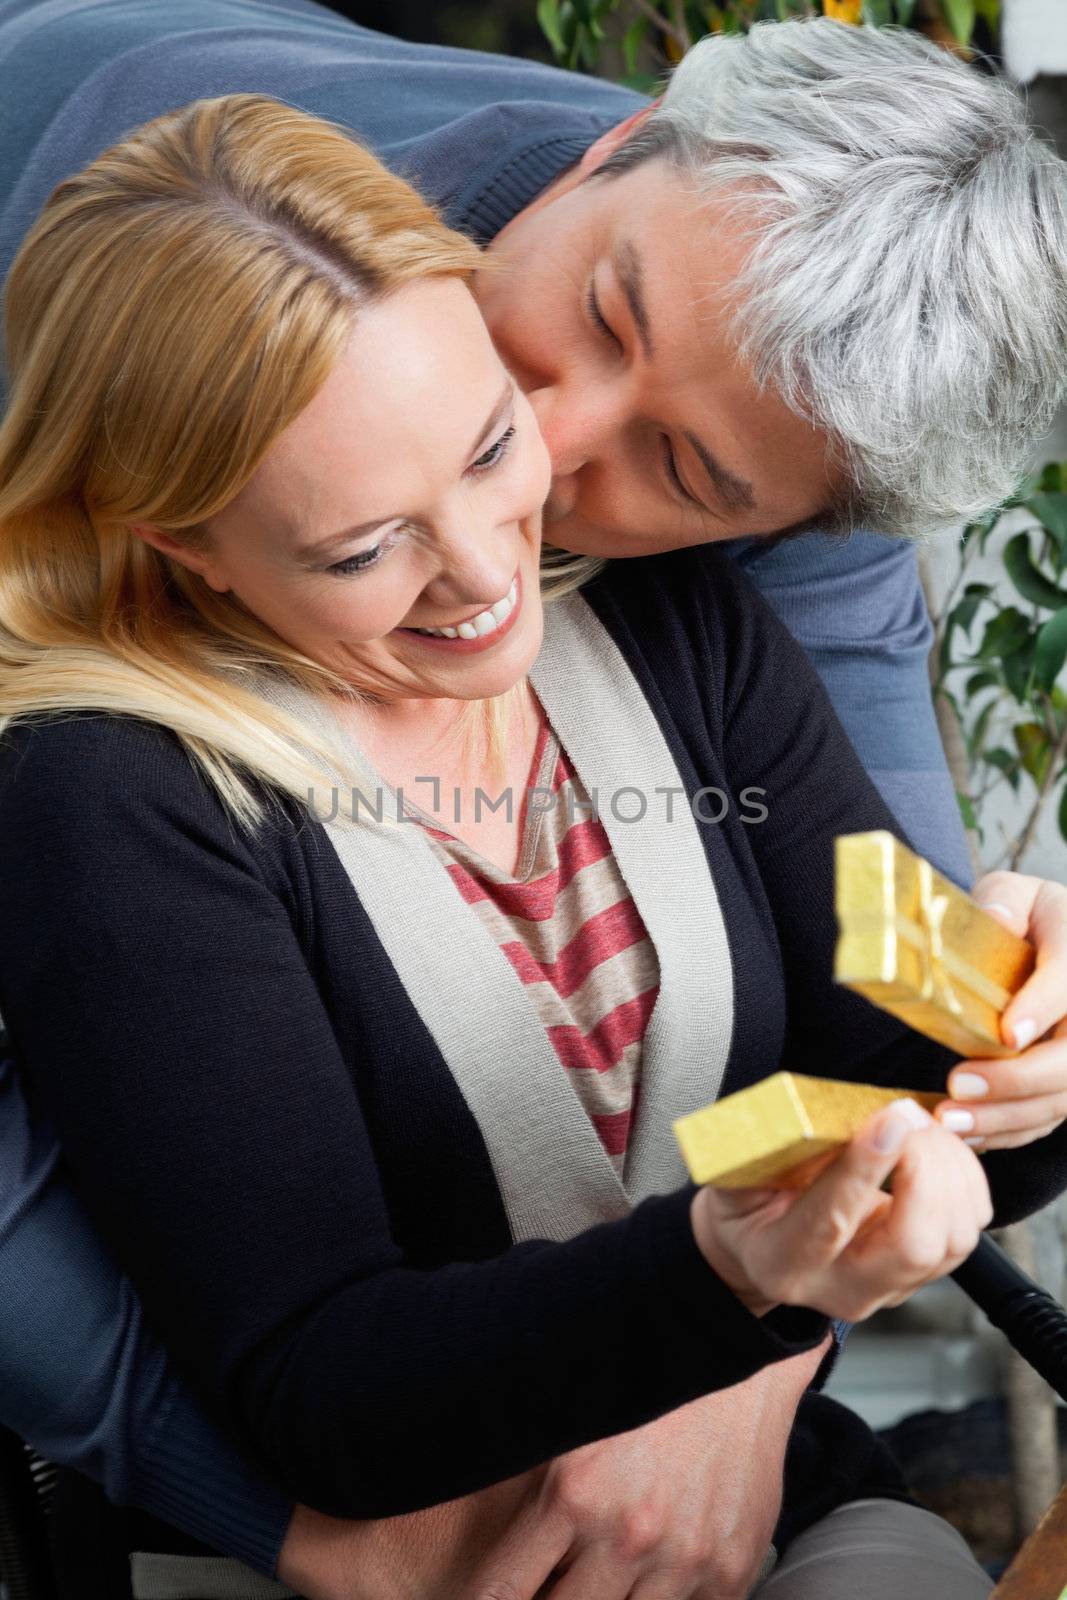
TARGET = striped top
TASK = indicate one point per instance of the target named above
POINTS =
(568, 925)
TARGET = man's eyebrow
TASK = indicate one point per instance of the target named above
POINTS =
(735, 493)
(628, 270)
(333, 541)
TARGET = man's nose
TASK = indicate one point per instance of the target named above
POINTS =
(578, 425)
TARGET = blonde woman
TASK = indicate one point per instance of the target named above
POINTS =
(368, 1085)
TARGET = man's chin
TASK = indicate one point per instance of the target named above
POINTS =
(585, 539)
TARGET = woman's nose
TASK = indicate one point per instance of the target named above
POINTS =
(477, 565)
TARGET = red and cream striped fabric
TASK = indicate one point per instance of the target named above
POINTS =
(569, 927)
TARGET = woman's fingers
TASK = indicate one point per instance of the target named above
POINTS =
(1042, 1070)
(1033, 1117)
(824, 1221)
(1037, 910)
(844, 1247)
(1013, 1141)
(940, 1205)
(990, 1098)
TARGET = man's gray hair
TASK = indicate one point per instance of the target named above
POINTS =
(907, 292)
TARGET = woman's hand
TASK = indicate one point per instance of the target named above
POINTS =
(998, 1105)
(844, 1246)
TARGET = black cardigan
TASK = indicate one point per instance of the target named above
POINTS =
(266, 1134)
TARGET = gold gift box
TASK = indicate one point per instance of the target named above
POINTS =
(913, 944)
(919, 947)
(765, 1136)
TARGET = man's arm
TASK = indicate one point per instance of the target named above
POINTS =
(857, 607)
(86, 1384)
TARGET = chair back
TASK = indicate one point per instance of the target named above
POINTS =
(25, 1489)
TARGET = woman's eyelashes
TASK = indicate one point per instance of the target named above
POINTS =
(365, 558)
(496, 451)
(370, 558)
(597, 318)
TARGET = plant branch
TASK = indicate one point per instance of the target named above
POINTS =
(953, 588)
(658, 20)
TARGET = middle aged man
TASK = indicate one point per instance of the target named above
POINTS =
(902, 335)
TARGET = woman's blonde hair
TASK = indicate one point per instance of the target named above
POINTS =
(174, 308)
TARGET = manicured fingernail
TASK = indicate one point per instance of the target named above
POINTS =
(900, 1119)
(995, 909)
(1023, 1032)
(956, 1121)
(968, 1086)
(974, 1143)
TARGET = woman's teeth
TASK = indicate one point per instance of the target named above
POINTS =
(485, 622)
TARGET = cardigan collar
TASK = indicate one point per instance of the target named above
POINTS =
(555, 1176)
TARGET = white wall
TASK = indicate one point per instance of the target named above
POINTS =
(1034, 37)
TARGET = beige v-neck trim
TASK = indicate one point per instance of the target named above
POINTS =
(533, 827)
(555, 1177)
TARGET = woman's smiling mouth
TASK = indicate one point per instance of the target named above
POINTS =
(478, 632)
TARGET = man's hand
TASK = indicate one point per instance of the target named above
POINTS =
(683, 1507)
(1001, 1104)
(423, 1555)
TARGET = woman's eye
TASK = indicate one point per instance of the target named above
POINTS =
(496, 452)
(365, 559)
(596, 316)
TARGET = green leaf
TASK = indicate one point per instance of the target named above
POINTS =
(967, 812)
(904, 12)
(959, 14)
(966, 609)
(981, 528)
(979, 681)
(631, 43)
(978, 733)
(1050, 650)
(1027, 576)
(1005, 633)
(586, 48)
(1050, 509)
(1063, 811)
(642, 83)
(1035, 749)
(548, 18)
(1051, 478)
(989, 11)
(962, 616)
(1018, 670)
(877, 13)
(1004, 762)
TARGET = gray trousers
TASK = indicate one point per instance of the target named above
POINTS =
(868, 1550)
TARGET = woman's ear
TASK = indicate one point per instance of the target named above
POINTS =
(609, 142)
(196, 561)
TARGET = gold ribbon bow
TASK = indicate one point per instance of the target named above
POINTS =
(930, 915)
